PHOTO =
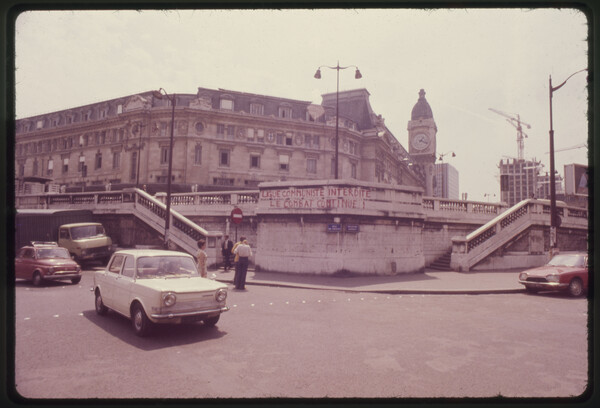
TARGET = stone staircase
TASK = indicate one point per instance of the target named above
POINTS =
(443, 262)
(480, 244)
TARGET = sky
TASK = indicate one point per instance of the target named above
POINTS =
(466, 60)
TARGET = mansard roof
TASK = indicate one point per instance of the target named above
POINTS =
(242, 101)
(354, 105)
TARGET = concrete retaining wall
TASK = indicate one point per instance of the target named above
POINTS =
(302, 245)
(339, 227)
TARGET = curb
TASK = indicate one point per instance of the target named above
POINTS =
(386, 291)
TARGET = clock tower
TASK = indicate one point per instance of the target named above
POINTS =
(421, 140)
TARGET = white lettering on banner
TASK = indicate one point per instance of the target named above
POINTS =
(321, 198)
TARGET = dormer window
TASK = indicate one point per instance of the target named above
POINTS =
(285, 111)
(40, 124)
(226, 103)
(257, 109)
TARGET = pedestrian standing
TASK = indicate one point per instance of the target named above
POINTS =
(201, 258)
(244, 252)
(236, 261)
(226, 248)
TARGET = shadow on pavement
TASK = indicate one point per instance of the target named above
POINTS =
(161, 336)
(337, 281)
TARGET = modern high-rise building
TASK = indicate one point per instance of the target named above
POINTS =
(521, 179)
(445, 181)
(543, 188)
(221, 139)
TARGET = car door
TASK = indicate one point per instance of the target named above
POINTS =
(123, 286)
(21, 263)
(108, 280)
(25, 263)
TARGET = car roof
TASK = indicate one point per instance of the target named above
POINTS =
(80, 224)
(151, 252)
(43, 244)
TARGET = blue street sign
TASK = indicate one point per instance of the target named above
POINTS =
(334, 227)
(352, 228)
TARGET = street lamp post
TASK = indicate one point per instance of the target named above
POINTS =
(445, 154)
(554, 221)
(488, 195)
(139, 156)
(159, 95)
(357, 75)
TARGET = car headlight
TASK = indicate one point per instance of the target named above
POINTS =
(169, 299)
(221, 295)
(552, 278)
(523, 276)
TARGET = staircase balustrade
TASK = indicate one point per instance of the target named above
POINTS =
(476, 246)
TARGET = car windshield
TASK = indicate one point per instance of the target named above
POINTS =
(567, 260)
(87, 231)
(46, 253)
(149, 267)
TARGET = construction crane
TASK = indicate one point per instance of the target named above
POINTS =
(579, 146)
(518, 124)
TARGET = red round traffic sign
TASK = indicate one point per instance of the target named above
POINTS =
(237, 216)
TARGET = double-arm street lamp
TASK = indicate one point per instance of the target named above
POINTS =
(160, 94)
(357, 75)
(554, 220)
(445, 154)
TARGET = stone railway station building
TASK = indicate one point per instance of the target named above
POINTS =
(222, 140)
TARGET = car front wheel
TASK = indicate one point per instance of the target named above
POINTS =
(100, 308)
(212, 321)
(75, 281)
(141, 323)
(531, 290)
(37, 279)
(576, 287)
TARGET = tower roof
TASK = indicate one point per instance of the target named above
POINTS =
(421, 110)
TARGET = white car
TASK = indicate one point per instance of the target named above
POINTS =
(157, 286)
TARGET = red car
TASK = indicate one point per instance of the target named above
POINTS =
(564, 272)
(46, 261)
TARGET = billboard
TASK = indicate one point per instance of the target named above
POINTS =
(576, 179)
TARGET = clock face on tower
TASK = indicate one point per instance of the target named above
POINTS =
(421, 141)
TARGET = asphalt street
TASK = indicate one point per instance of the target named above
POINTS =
(287, 342)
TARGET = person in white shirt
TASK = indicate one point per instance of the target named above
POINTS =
(201, 258)
(244, 252)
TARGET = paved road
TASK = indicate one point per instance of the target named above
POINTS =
(287, 342)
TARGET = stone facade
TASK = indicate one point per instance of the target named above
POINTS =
(339, 227)
(221, 139)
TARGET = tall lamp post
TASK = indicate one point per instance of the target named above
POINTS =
(554, 220)
(139, 155)
(357, 75)
(159, 95)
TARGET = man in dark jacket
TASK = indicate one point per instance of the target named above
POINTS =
(226, 248)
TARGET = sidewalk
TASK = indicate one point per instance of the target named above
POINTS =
(429, 282)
